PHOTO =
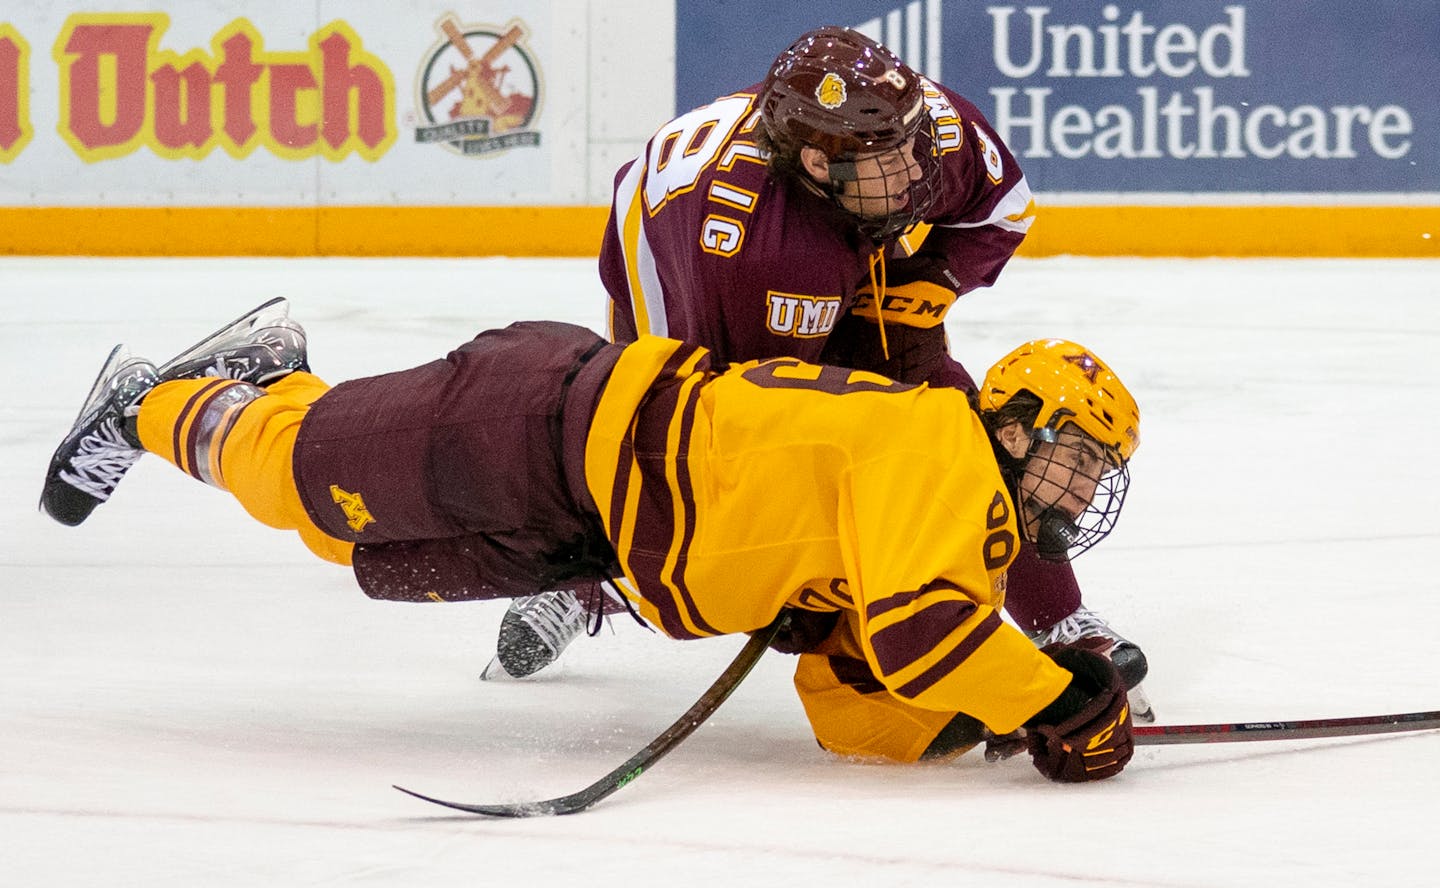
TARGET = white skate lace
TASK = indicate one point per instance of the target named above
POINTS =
(101, 460)
(556, 617)
(227, 367)
(264, 353)
(1083, 623)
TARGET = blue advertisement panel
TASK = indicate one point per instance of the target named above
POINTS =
(1188, 96)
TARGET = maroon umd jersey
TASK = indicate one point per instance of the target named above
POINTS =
(705, 245)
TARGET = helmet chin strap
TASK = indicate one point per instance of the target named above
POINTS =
(842, 171)
(1055, 534)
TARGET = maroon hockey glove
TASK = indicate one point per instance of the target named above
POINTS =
(926, 267)
(1085, 733)
(803, 630)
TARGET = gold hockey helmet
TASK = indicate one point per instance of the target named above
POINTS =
(1073, 386)
(1074, 391)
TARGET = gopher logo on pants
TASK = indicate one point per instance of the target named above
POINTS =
(353, 505)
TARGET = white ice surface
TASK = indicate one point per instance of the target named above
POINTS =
(189, 699)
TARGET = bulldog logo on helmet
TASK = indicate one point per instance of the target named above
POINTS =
(831, 91)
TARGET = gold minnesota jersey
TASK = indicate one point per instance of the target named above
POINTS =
(780, 483)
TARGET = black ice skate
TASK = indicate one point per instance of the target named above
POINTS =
(259, 347)
(102, 445)
(535, 631)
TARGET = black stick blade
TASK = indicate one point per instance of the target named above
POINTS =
(547, 808)
(641, 761)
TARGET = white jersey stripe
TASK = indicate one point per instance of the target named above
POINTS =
(647, 300)
(1013, 213)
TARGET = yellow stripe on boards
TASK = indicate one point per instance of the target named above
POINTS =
(1228, 231)
(301, 231)
(1235, 231)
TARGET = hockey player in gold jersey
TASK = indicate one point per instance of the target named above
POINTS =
(882, 515)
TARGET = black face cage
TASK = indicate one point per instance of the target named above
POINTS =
(1096, 522)
(875, 220)
(1061, 536)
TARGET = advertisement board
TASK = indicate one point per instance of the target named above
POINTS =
(402, 127)
(1119, 101)
(357, 102)
(483, 127)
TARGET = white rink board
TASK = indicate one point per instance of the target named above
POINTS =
(593, 106)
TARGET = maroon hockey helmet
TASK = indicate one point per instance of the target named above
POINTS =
(841, 92)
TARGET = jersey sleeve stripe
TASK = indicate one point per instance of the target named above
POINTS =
(647, 300)
(623, 467)
(855, 674)
(904, 643)
(685, 497)
(1013, 212)
(905, 599)
(951, 661)
(663, 523)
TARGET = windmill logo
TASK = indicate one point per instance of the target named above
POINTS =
(479, 90)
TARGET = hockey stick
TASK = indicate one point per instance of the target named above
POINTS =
(641, 761)
(1239, 732)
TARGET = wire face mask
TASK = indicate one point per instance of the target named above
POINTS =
(1072, 492)
(1082, 427)
(889, 191)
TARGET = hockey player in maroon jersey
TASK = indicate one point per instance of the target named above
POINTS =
(832, 213)
(884, 514)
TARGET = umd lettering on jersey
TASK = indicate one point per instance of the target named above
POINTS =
(804, 317)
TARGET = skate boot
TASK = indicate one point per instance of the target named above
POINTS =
(259, 347)
(534, 632)
(102, 444)
(1084, 625)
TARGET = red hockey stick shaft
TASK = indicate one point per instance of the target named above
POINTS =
(1237, 732)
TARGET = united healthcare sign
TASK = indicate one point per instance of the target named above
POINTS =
(1281, 96)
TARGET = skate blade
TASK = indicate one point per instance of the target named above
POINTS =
(264, 314)
(493, 671)
(118, 358)
(1140, 708)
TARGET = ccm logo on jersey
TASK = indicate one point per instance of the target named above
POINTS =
(919, 304)
(801, 316)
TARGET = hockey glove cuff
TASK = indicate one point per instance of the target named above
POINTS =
(1085, 733)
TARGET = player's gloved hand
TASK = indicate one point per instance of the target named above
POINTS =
(999, 747)
(919, 291)
(803, 630)
(965, 732)
(1085, 733)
